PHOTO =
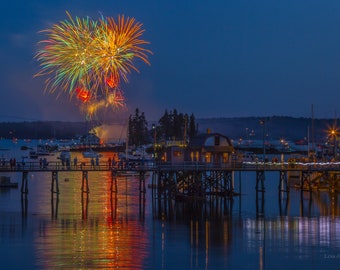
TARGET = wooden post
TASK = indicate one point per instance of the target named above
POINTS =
(260, 203)
(260, 178)
(114, 181)
(54, 183)
(142, 187)
(84, 205)
(283, 183)
(85, 182)
(24, 206)
(229, 183)
(305, 180)
(54, 205)
(24, 184)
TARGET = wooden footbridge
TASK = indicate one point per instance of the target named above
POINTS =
(191, 179)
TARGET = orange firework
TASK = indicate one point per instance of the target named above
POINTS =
(113, 81)
(83, 94)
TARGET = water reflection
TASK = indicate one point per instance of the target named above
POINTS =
(126, 228)
(283, 200)
(107, 234)
(218, 229)
(300, 234)
(259, 201)
(54, 205)
(84, 205)
(90, 243)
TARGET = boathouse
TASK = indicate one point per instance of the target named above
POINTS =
(175, 154)
(213, 148)
(208, 148)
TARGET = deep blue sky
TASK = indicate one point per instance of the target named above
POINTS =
(211, 58)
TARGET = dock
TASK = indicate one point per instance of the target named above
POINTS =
(192, 179)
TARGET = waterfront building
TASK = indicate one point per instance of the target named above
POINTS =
(209, 148)
(213, 148)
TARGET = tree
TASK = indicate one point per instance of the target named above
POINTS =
(165, 125)
(193, 129)
(138, 129)
(177, 126)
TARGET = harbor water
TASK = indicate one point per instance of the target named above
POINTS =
(125, 230)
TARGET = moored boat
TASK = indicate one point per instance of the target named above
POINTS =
(138, 154)
(5, 182)
(65, 155)
(33, 155)
(91, 154)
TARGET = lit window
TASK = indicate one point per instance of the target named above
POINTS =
(177, 153)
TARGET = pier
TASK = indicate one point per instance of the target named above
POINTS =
(192, 179)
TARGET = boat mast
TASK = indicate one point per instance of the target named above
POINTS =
(313, 143)
(335, 136)
(308, 151)
(127, 140)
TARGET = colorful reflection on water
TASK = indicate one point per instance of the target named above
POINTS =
(99, 229)
(131, 230)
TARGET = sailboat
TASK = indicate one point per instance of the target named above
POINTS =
(91, 139)
(43, 150)
(137, 155)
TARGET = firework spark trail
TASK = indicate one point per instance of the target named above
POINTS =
(87, 58)
(114, 100)
(66, 55)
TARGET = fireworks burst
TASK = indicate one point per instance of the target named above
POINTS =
(114, 101)
(87, 59)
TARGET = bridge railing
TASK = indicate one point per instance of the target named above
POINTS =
(105, 166)
(85, 166)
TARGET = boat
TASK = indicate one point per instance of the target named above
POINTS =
(137, 155)
(65, 155)
(91, 154)
(33, 155)
(5, 182)
(42, 150)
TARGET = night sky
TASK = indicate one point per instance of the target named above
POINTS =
(210, 58)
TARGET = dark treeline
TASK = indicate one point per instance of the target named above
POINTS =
(172, 125)
(42, 130)
(177, 126)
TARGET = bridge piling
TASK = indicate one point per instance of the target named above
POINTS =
(24, 205)
(113, 186)
(260, 177)
(24, 182)
(85, 182)
(54, 205)
(55, 182)
(283, 201)
(84, 205)
(283, 183)
(142, 187)
(305, 181)
(260, 203)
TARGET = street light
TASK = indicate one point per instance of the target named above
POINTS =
(282, 142)
(333, 134)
